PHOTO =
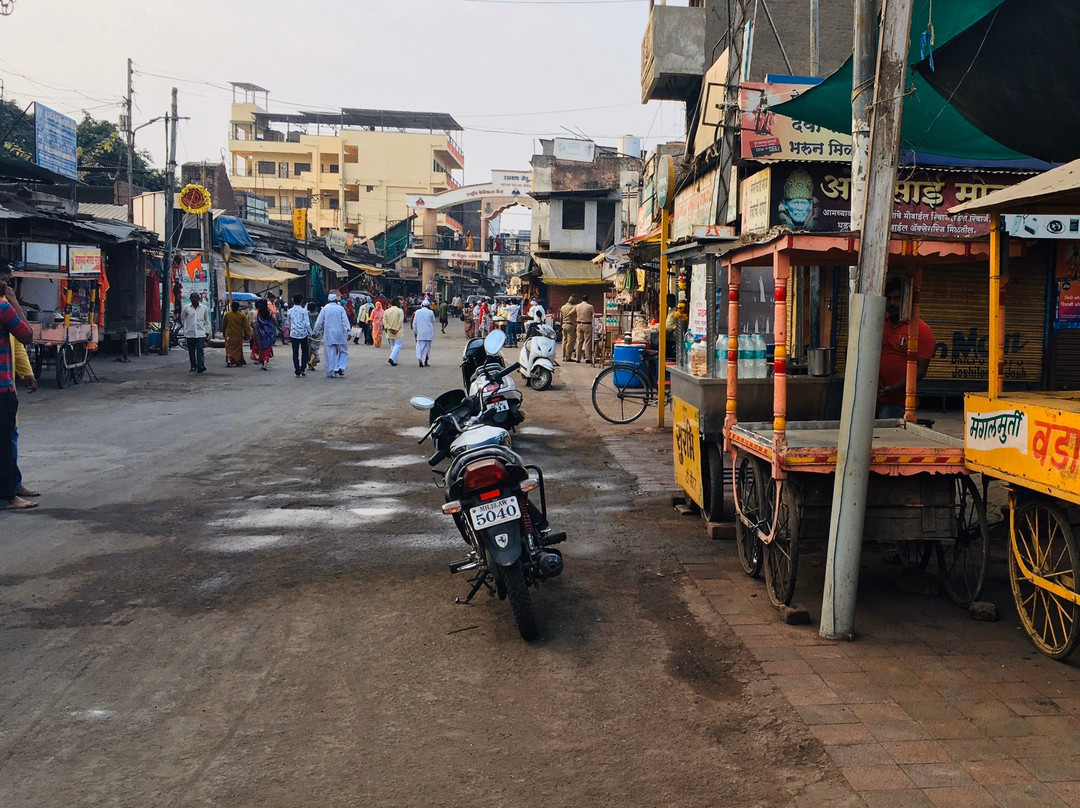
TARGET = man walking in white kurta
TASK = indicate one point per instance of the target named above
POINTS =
(333, 325)
(423, 324)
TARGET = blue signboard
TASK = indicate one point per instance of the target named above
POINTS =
(55, 140)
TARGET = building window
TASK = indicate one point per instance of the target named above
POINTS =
(271, 202)
(300, 202)
(438, 167)
(330, 168)
(334, 203)
(266, 167)
(370, 188)
(573, 214)
(300, 168)
(283, 170)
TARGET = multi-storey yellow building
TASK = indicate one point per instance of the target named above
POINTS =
(352, 169)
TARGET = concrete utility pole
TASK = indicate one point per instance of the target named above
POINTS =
(864, 339)
(815, 37)
(130, 144)
(170, 192)
(862, 88)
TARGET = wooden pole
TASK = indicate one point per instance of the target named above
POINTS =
(170, 192)
(661, 360)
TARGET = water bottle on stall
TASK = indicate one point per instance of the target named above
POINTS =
(761, 370)
(746, 357)
(720, 352)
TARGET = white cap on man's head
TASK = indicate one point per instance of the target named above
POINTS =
(332, 297)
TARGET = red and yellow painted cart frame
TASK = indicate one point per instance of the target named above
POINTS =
(1031, 441)
(920, 495)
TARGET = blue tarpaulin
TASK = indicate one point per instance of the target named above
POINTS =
(230, 230)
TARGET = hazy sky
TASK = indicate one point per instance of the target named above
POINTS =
(509, 71)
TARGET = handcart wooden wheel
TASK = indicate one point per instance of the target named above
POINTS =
(749, 476)
(1043, 564)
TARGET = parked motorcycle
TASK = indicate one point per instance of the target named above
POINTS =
(487, 492)
(537, 358)
(479, 369)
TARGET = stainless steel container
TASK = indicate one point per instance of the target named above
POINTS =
(819, 361)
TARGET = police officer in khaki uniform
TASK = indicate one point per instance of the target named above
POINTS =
(568, 318)
(583, 313)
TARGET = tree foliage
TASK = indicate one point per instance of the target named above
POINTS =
(102, 148)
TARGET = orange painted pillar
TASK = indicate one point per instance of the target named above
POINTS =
(732, 359)
(911, 379)
(781, 276)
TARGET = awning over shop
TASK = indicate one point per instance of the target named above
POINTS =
(368, 269)
(318, 258)
(248, 269)
(930, 124)
(230, 230)
(569, 272)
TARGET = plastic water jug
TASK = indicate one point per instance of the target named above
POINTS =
(721, 355)
(761, 350)
(746, 357)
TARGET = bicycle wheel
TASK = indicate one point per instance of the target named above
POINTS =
(962, 564)
(1044, 541)
(620, 403)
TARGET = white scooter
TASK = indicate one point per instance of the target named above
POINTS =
(537, 359)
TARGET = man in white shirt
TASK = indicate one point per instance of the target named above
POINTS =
(423, 325)
(195, 319)
(333, 324)
(299, 335)
(513, 316)
(536, 311)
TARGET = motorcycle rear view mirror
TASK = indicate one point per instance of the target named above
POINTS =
(494, 342)
(422, 402)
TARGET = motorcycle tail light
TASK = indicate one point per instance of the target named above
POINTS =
(491, 388)
(484, 474)
(494, 493)
(452, 507)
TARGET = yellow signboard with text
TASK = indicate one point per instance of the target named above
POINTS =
(299, 224)
(686, 438)
(1033, 441)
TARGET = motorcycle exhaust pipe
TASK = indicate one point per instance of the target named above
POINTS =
(461, 566)
(551, 564)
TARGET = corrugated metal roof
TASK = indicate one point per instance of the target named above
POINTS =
(102, 210)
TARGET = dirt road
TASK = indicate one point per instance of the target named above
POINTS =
(246, 602)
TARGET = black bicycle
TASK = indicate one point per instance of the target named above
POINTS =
(622, 392)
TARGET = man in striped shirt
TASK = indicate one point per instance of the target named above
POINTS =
(12, 326)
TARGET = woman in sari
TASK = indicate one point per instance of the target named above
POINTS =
(485, 319)
(377, 324)
(265, 332)
(468, 320)
(236, 328)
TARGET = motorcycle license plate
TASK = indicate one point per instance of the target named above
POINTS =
(502, 406)
(495, 513)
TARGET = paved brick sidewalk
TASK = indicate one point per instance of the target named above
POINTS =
(927, 707)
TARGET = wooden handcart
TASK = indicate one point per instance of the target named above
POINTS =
(1031, 440)
(920, 498)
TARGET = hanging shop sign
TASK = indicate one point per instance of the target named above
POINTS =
(755, 202)
(817, 198)
(194, 199)
(84, 261)
(1067, 314)
(409, 273)
(1067, 227)
(768, 136)
(686, 439)
(694, 205)
(339, 241)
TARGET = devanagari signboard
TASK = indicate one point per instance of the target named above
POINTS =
(1032, 440)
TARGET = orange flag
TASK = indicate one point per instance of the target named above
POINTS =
(193, 266)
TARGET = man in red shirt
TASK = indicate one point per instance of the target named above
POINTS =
(12, 326)
(892, 374)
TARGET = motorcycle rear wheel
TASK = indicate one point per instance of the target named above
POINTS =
(541, 379)
(520, 602)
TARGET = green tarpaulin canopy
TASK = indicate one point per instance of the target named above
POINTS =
(929, 123)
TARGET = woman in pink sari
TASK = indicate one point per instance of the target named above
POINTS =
(265, 332)
(377, 324)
